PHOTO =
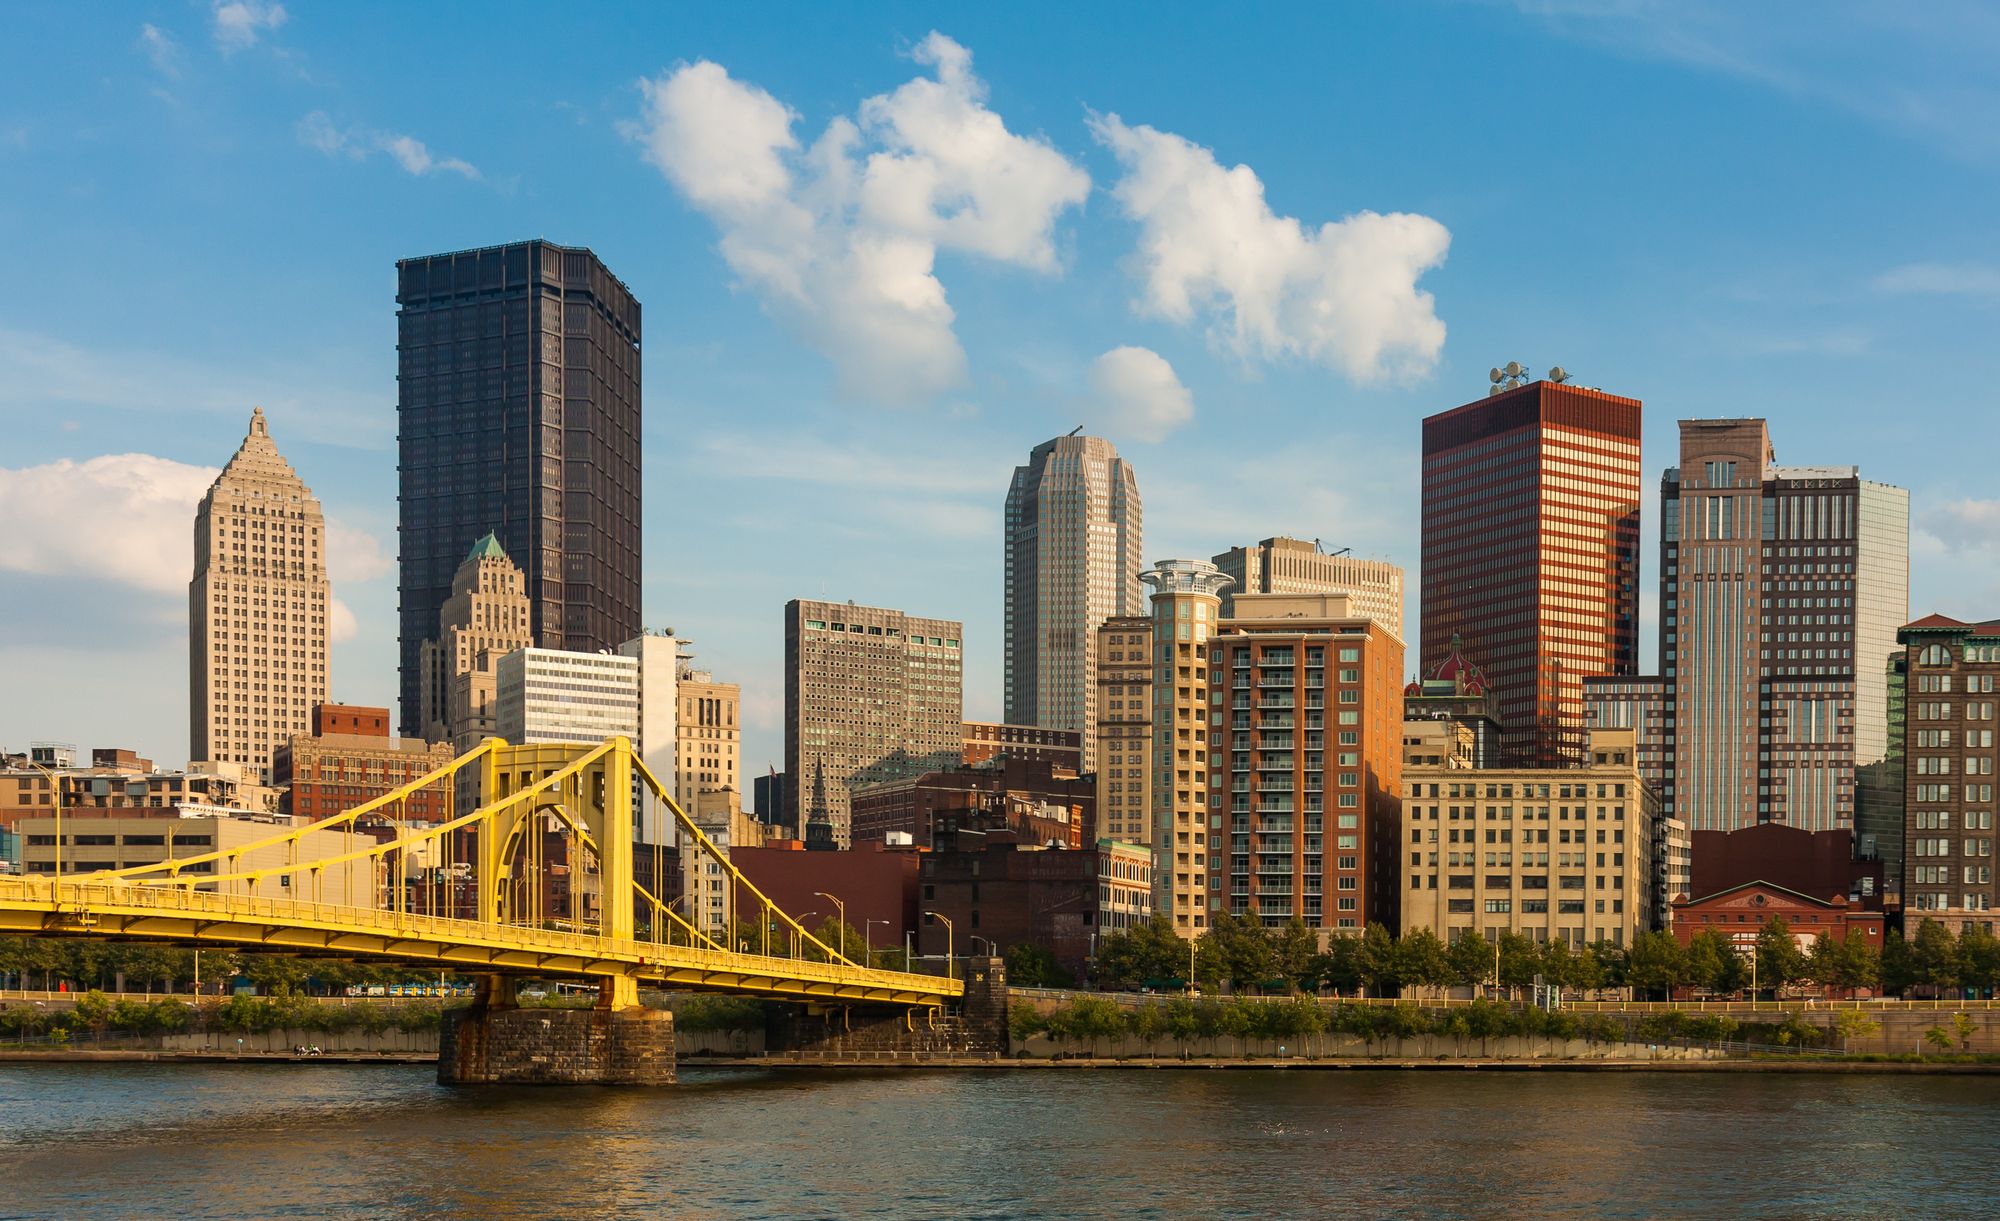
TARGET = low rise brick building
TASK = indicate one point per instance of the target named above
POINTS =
(1042, 800)
(349, 758)
(986, 741)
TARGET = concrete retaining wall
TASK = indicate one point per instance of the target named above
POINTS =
(1337, 1046)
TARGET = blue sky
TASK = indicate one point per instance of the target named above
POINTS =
(1048, 215)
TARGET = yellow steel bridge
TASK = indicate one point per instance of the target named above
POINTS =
(538, 880)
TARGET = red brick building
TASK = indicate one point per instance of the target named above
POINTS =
(999, 894)
(986, 741)
(877, 884)
(1741, 912)
(350, 758)
(1042, 800)
(1818, 863)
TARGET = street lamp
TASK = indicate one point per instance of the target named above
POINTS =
(840, 914)
(950, 960)
(55, 782)
(867, 931)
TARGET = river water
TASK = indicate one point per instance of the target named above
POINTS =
(271, 1141)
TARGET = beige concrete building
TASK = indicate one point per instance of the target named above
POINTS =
(1186, 606)
(257, 608)
(1124, 886)
(116, 843)
(1562, 854)
(1074, 527)
(708, 755)
(870, 695)
(1125, 729)
(1295, 566)
(485, 618)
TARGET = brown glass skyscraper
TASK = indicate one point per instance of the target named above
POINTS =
(1531, 553)
(518, 413)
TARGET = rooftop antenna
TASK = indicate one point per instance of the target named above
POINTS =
(1072, 432)
(1507, 377)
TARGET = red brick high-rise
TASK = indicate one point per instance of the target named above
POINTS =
(1531, 553)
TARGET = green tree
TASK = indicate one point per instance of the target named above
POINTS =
(1857, 964)
(1034, 966)
(1340, 966)
(1380, 969)
(1978, 958)
(1235, 950)
(1520, 960)
(1934, 955)
(1094, 1018)
(1964, 1028)
(1024, 1022)
(1851, 1024)
(1706, 953)
(1471, 959)
(1898, 968)
(1294, 952)
(1183, 1022)
(1939, 1038)
(1655, 963)
(1147, 955)
(1613, 959)
(1422, 961)
(1779, 960)
(1823, 963)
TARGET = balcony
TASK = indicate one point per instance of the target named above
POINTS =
(1277, 700)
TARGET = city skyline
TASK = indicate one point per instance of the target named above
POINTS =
(760, 457)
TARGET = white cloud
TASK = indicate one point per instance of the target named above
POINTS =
(240, 23)
(840, 240)
(354, 555)
(1136, 396)
(161, 48)
(127, 519)
(340, 624)
(1941, 279)
(1344, 295)
(318, 131)
(1968, 523)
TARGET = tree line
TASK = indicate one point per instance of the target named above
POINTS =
(1248, 957)
(49, 965)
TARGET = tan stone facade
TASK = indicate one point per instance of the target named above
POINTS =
(257, 608)
(708, 731)
(1295, 566)
(1563, 854)
(485, 618)
(1185, 610)
(1125, 729)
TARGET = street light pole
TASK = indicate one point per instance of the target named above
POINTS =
(867, 938)
(55, 783)
(950, 958)
(840, 914)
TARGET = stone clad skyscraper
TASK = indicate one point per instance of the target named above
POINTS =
(1781, 592)
(257, 608)
(518, 415)
(1073, 534)
(485, 619)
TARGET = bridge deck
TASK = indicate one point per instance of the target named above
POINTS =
(121, 911)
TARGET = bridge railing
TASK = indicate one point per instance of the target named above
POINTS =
(79, 901)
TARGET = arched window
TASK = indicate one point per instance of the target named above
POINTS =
(1934, 655)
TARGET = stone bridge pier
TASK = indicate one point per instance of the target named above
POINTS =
(496, 1042)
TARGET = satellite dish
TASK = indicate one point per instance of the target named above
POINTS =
(1513, 368)
(1496, 376)
(1558, 374)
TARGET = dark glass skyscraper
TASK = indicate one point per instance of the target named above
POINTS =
(518, 413)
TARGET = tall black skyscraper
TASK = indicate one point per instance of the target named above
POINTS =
(518, 413)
